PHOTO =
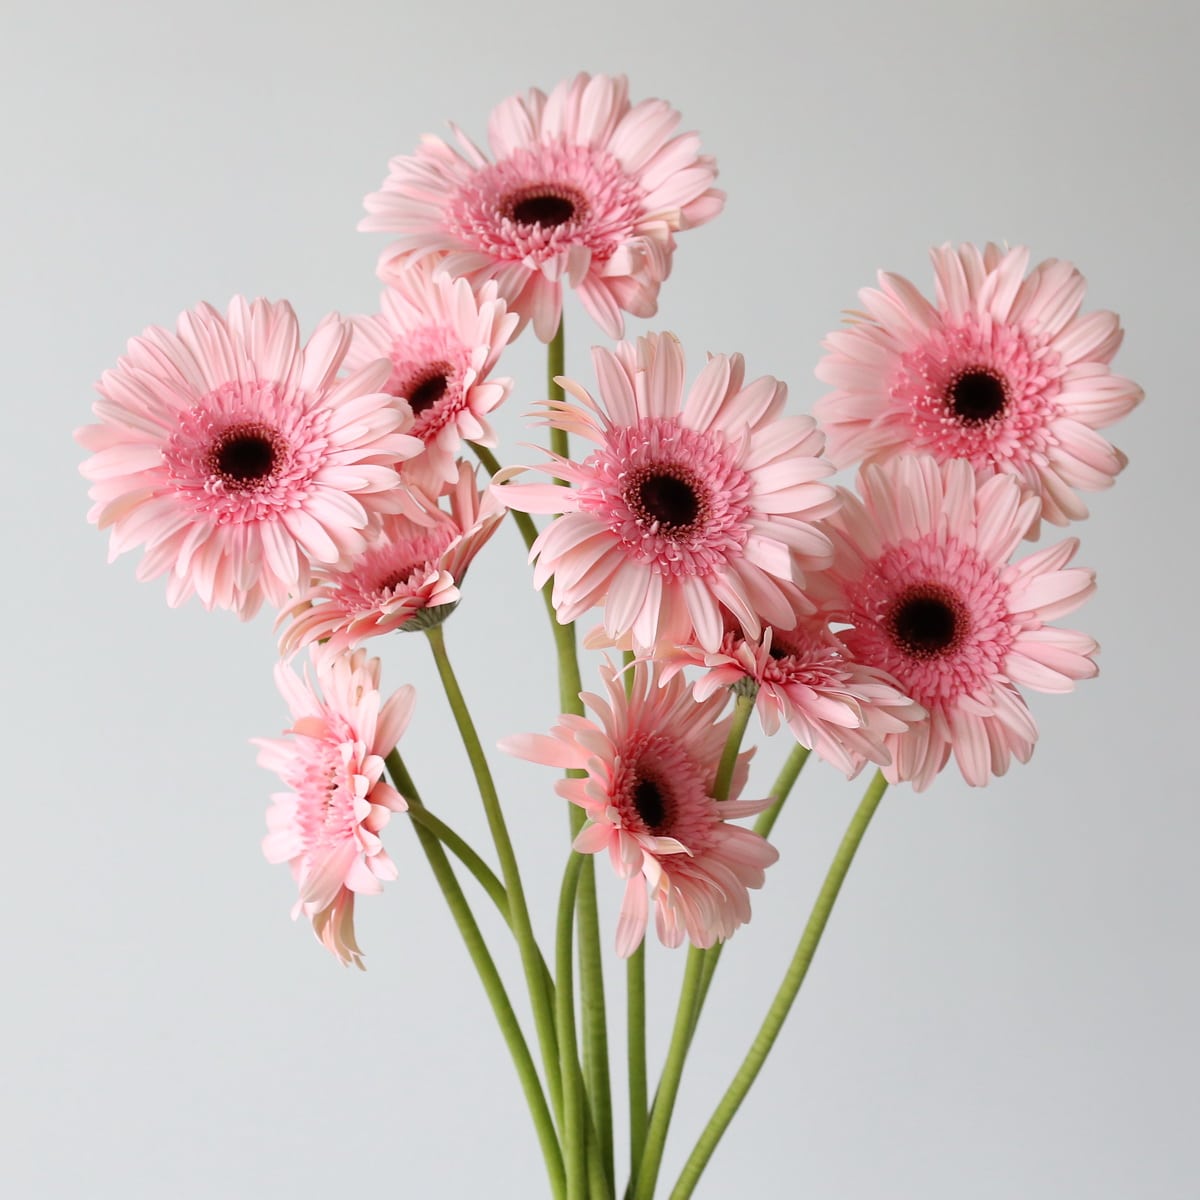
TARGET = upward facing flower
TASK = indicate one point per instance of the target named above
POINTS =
(327, 827)
(921, 576)
(584, 187)
(1004, 371)
(442, 341)
(650, 758)
(689, 505)
(238, 458)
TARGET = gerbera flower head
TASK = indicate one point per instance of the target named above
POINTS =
(327, 826)
(581, 186)
(923, 582)
(1002, 370)
(649, 760)
(690, 506)
(442, 341)
(238, 458)
(408, 577)
(803, 677)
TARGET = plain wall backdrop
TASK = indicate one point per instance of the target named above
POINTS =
(1005, 1003)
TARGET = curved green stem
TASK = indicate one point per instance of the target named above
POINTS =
(457, 846)
(555, 365)
(574, 1130)
(543, 1009)
(523, 520)
(493, 986)
(782, 787)
(635, 991)
(781, 1005)
(733, 744)
(668, 1088)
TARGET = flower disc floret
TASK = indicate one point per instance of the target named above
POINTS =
(648, 761)
(582, 187)
(923, 582)
(238, 458)
(689, 508)
(1003, 371)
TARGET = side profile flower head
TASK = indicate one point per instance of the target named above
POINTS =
(923, 582)
(442, 341)
(690, 506)
(1002, 370)
(327, 826)
(412, 568)
(803, 677)
(650, 758)
(583, 186)
(238, 458)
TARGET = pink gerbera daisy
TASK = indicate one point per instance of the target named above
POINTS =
(327, 826)
(584, 186)
(409, 576)
(238, 458)
(923, 580)
(690, 506)
(837, 707)
(1004, 371)
(650, 759)
(442, 341)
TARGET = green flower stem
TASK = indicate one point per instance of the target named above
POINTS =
(555, 365)
(668, 1087)
(784, 782)
(573, 1127)
(491, 464)
(543, 1005)
(492, 985)
(733, 744)
(591, 976)
(635, 991)
(688, 1011)
(781, 1005)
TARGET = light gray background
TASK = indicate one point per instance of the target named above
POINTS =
(1005, 1005)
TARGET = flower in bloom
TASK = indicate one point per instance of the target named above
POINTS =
(237, 457)
(804, 678)
(1004, 371)
(327, 826)
(922, 579)
(689, 506)
(650, 758)
(442, 342)
(412, 568)
(582, 186)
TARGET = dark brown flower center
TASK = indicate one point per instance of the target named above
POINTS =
(927, 621)
(669, 500)
(423, 392)
(244, 455)
(977, 395)
(650, 803)
(548, 205)
(399, 577)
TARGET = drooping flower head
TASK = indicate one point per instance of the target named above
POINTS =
(327, 826)
(1004, 371)
(690, 506)
(582, 186)
(237, 457)
(411, 568)
(442, 341)
(650, 759)
(922, 579)
(839, 708)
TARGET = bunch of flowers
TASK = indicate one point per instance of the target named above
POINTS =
(894, 625)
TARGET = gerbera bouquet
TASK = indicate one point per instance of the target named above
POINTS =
(683, 506)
